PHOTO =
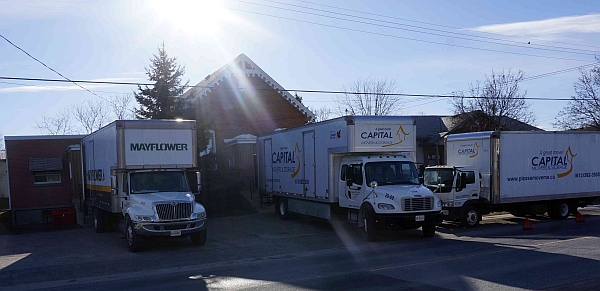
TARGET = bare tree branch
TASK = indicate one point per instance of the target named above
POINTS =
(322, 114)
(369, 97)
(120, 107)
(501, 100)
(583, 111)
(57, 125)
(91, 115)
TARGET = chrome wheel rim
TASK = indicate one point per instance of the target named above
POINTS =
(472, 217)
(564, 209)
(282, 208)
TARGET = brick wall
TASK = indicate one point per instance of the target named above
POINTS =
(231, 112)
(23, 193)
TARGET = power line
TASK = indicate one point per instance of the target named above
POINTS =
(306, 91)
(407, 38)
(434, 24)
(515, 44)
(66, 79)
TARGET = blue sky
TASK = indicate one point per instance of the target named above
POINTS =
(114, 40)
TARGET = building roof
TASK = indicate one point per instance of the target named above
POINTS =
(429, 126)
(34, 137)
(242, 64)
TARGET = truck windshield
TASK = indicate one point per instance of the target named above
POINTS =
(439, 180)
(160, 181)
(393, 172)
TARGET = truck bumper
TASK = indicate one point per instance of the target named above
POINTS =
(175, 228)
(451, 213)
(412, 219)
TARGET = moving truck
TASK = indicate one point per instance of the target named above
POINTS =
(136, 174)
(525, 173)
(360, 165)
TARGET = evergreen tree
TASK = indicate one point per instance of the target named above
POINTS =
(162, 100)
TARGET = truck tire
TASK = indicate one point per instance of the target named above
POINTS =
(135, 242)
(573, 208)
(559, 210)
(428, 230)
(471, 217)
(99, 220)
(282, 209)
(369, 222)
(199, 238)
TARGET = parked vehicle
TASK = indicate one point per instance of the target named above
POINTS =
(362, 165)
(136, 174)
(525, 173)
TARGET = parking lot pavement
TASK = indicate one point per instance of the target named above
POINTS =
(80, 252)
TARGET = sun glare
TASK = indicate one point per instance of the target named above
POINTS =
(199, 18)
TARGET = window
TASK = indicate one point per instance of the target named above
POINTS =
(470, 177)
(356, 174)
(41, 178)
(343, 172)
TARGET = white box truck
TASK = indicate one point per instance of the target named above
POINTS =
(525, 173)
(136, 173)
(361, 165)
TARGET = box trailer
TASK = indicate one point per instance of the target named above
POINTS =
(525, 173)
(136, 174)
(362, 165)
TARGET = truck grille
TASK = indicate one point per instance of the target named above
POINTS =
(166, 211)
(417, 204)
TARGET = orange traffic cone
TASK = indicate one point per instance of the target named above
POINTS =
(579, 217)
(527, 224)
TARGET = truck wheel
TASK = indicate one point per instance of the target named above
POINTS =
(199, 238)
(428, 230)
(282, 209)
(135, 241)
(471, 217)
(573, 208)
(99, 220)
(560, 210)
(369, 222)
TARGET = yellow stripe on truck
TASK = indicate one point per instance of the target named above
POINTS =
(100, 188)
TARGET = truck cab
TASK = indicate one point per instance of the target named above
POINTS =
(457, 187)
(386, 188)
(160, 203)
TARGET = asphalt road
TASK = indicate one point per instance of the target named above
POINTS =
(261, 252)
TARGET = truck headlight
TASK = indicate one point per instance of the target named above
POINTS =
(439, 203)
(201, 215)
(386, 206)
(145, 217)
(449, 204)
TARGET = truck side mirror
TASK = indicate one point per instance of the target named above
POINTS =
(198, 182)
(113, 185)
(348, 182)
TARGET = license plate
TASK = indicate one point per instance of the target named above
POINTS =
(445, 212)
(175, 232)
(420, 218)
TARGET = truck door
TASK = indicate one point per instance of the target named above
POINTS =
(470, 191)
(308, 153)
(268, 168)
(351, 195)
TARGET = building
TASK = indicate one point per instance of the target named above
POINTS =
(44, 178)
(240, 98)
(3, 181)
